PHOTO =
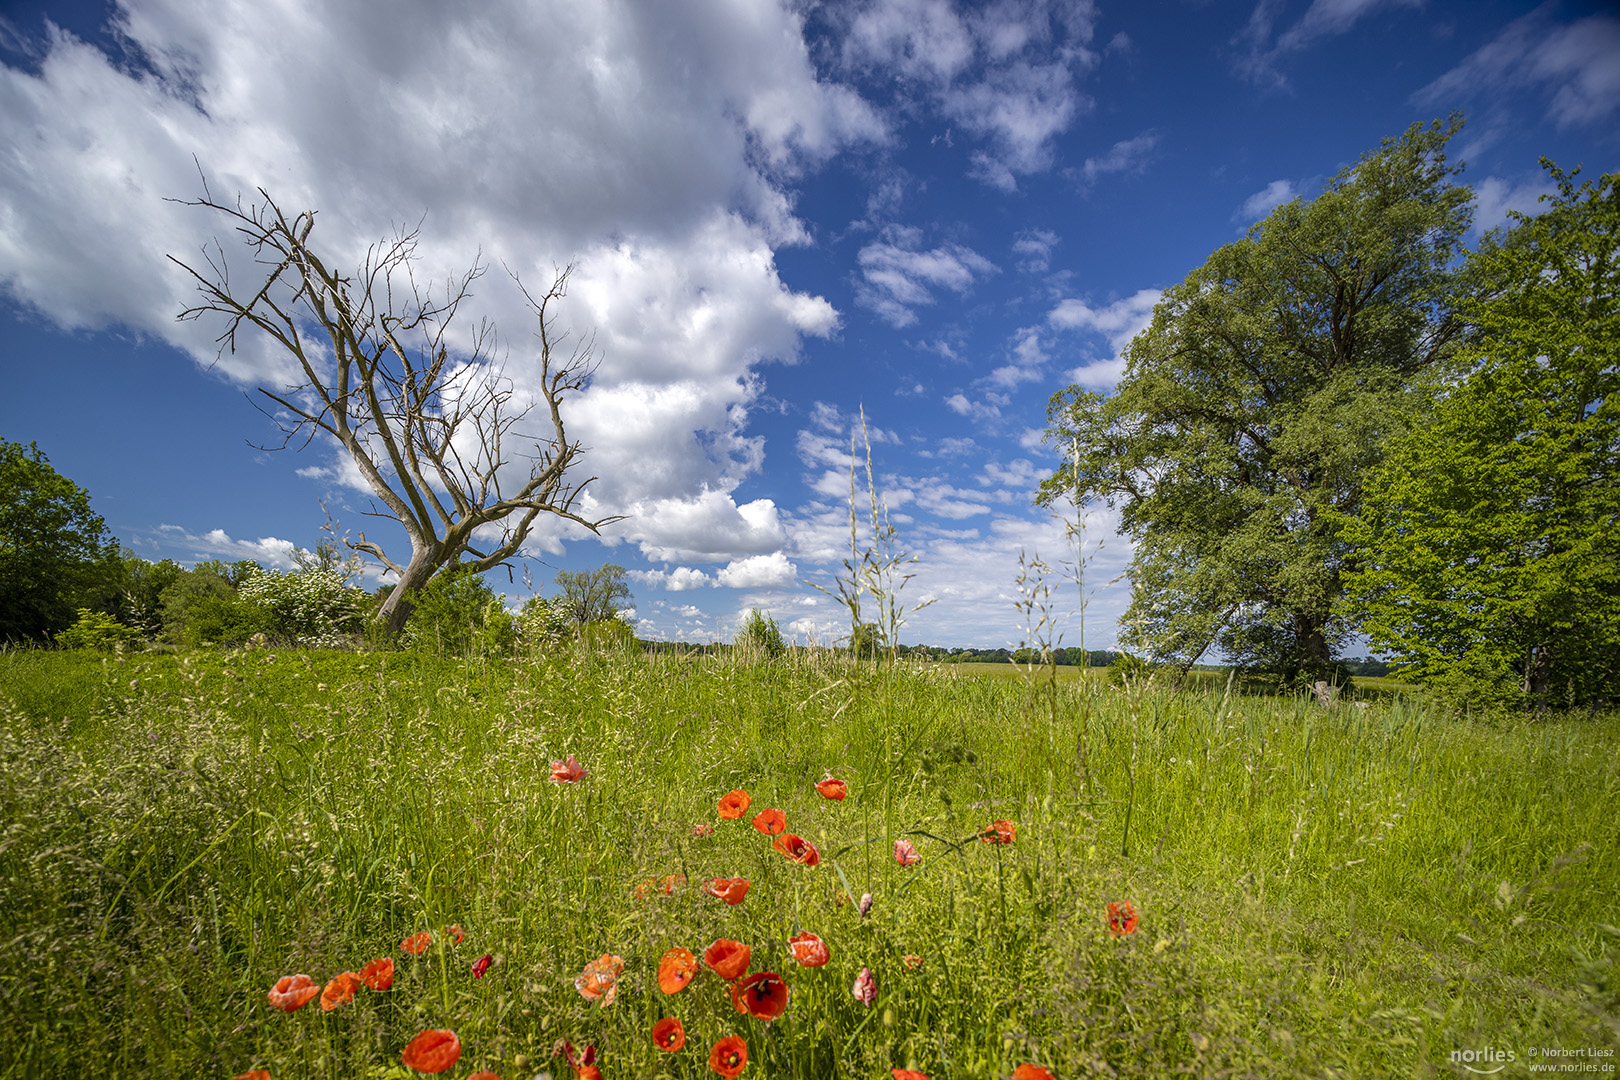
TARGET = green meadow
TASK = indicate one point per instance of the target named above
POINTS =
(1373, 890)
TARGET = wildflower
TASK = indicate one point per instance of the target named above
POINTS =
(1030, 1072)
(865, 905)
(733, 803)
(600, 979)
(727, 959)
(670, 882)
(1121, 918)
(832, 788)
(433, 1051)
(584, 1064)
(764, 996)
(675, 970)
(455, 933)
(379, 973)
(293, 992)
(416, 944)
(771, 822)
(702, 829)
(340, 991)
(484, 1074)
(481, 965)
(998, 832)
(730, 889)
(808, 949)
(253, 1074)
(568, 771)
(905, 853)
(865, 988)
(668, 1034)
(641, 889)
(907, 1074)
(912, 961)
(729, 1057)
(798, 849)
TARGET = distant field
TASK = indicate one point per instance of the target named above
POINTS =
(1374, 685)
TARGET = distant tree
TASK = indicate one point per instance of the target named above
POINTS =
(424, 410)
(760, 635)
(594, 595)
(1253, 407)
(1489, 542)
(53, 547)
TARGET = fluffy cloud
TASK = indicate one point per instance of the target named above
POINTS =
(1266, 200)
(758, 572)
(1128, 156)
(896, 275)
(1578, 62)
(1118, 322)
(1259, 54)
(526, 131)
(679, 579)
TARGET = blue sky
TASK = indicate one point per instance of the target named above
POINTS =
(779, 214)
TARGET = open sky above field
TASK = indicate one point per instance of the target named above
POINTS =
(779, 215)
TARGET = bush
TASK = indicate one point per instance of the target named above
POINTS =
(457, 614)
(313, 606)
(1128, 670)
(760, 637)
(543, 621)
(96, 630)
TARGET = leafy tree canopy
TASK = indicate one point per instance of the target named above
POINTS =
(1490, 540)
(51, 545)
(594, 595)
(1254, 404)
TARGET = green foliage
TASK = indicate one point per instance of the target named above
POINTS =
(543, 621)
(760, 636)
(1489, 545)
(457, 614)
(594, 595)
(313, 605)
(1255, 403)
(53, 547)
(1126, 670)
(183, 830)
(98, 630)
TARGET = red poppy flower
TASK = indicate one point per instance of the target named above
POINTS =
(908, 1074)
(1121, 919)
(905, 853)
(379, 973)
(808, 949)
(703, 829)
(763, 995)
(727, 959)
(832, 788)
(456, 934)
(912, 961)
(416, 944)
(600, 979)
(670, 882)
(733, 804)
(484, 1074)
(865, 988)
(998, 832)
(1030, 1072)
(568, 771)
(771, 822)
(584, 1064)
(253, 1074)
(730, 889)
(433, 1051)
(668, 1034)
(729, 1057)
(340, 991)
(797, 848)
(675, 970)
(293, 992)
(481, 965)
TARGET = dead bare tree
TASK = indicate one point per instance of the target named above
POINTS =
(429, 426)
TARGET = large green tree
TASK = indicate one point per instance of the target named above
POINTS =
(594, 595)
(1254, 404)
(53, 547)
(1490, 538)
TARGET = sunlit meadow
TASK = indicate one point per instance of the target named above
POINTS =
(1295, 891)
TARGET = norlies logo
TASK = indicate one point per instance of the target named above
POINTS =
(1490, 1056)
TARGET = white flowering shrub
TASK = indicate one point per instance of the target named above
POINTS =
(314, 606)
(544, 620)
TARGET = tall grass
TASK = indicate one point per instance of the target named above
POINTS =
(1356, 892)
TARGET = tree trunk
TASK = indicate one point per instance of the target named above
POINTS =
(1538, 677)
(399, 603)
